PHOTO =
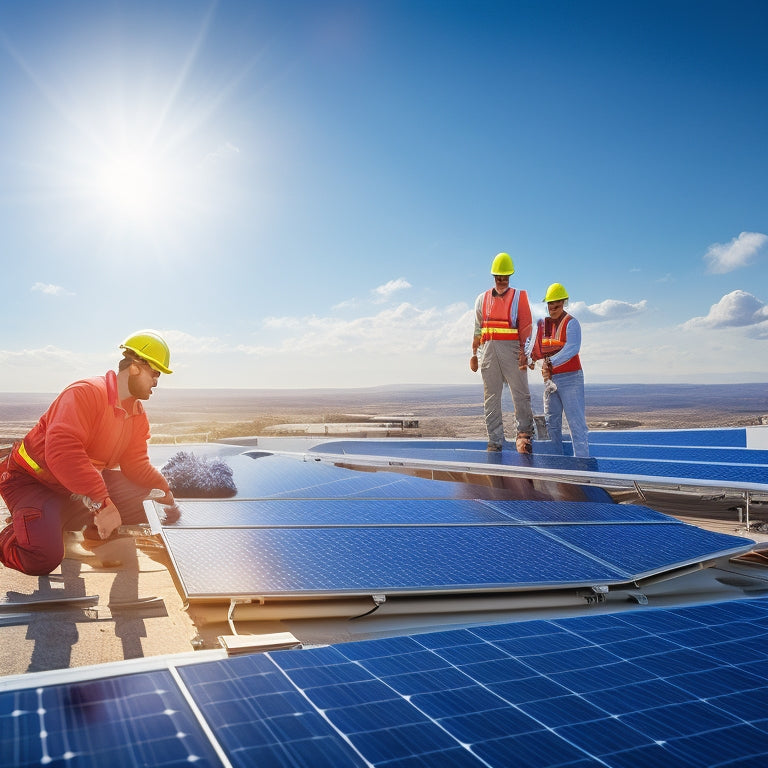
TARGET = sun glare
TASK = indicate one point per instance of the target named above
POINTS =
(134, 187)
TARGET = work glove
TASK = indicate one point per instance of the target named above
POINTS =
(171, 509)
(107, 520)
(166, 499)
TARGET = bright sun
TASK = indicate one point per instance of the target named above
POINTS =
(134, 187)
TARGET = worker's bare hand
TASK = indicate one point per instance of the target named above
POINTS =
(107, 521)
(473, 363)
(546, 370)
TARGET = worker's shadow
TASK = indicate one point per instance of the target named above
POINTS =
(54, 623)
(127, 607)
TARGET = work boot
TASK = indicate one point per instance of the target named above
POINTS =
(524, 443)
(494, 447)
(107, 553)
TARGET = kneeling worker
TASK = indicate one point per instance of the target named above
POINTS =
(64, 474)
(558, 342)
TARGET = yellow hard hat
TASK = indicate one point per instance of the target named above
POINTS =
(150, 346)
(555, 292)
(502, 265)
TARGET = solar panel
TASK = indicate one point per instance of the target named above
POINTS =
(139, 719)
(677, 453)
(351, 547)
(644, 687)
(752, 475)
(695, 471)
(734, 437)
(265, 476)
(338, 512)
(412, 511)
(274, 476)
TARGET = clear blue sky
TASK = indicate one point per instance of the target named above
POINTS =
(310, 194)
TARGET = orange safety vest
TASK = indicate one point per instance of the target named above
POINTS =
(553, 340)
(500, 316)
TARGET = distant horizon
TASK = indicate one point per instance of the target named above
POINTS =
(418, 386)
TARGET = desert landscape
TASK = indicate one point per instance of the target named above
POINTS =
(179, 415)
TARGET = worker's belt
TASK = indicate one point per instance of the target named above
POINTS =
(30, 462)
(507, 334)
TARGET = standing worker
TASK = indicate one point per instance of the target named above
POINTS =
(64, 474)
(502, 328)
(558, 342)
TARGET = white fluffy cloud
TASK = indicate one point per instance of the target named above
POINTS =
(385, 291)
(725, 257)
(610, 309)
(51, 290)
(737, 309)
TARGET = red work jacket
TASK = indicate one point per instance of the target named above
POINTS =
(85, 430)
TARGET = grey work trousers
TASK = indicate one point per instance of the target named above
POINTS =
(499, 364)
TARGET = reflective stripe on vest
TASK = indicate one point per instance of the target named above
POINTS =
(500, 316)
(30, 462)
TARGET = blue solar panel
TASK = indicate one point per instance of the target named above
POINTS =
(140, 719)
(324, 512)
(697, 468)
(635, 688)
(414, 450)
(277, 476)
(402, 558)
(727, 474)
(640, 551)
(347, 512)
(265, 476)
(553, 512)
(372, 560)
(680, 453)
(733, 437)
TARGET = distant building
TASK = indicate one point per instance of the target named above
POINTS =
(354, 425)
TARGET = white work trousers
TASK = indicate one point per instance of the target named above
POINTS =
(499, 364)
